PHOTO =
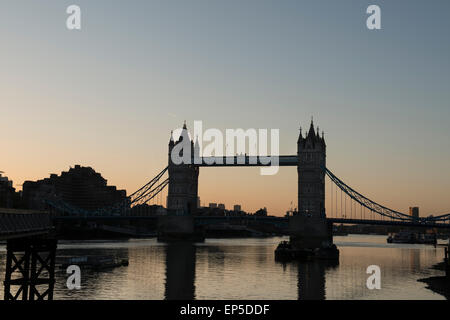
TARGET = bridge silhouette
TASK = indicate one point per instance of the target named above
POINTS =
(354, 209)
(311, 225)
(346, 205)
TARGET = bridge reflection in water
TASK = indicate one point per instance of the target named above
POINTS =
(181, 265)
(311, 279)
(180, 275)
(180, 271)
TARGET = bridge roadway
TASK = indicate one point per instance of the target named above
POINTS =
(281, 221)
(205, 218)
(247, 161)
(390, 223)
(23, 223)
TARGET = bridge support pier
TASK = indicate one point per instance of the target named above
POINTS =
(178, 228)
(309, 232)
(30, 265)
(311, 237)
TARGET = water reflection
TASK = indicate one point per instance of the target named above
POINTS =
(415, 260)
(311, 279)
(93, 282)
(180, 271)
(246, 269)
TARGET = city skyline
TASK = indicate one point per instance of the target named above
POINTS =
(216, 197)
(108, 95)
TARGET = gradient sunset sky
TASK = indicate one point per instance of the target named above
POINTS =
(107, 96)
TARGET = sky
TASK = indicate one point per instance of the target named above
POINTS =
(108, 95)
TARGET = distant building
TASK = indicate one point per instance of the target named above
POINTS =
(7, 192)
(261, 212)
(80, 187)
(143, 210)
(237, 208)
(220, 211)
(414, 212)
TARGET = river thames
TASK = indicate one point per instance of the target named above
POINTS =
(246, 269)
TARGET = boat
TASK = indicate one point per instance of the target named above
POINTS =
(93, 262)
(412, 238)
(401, 237)
(340, 233)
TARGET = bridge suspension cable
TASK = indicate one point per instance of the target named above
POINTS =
(142, 192)
(372, 206)
(150, 194)
(369, 204)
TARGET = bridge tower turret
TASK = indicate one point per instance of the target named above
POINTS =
(311, 151)
(183, 178)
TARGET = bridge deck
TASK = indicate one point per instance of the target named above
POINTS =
(389, 223)
(268, 219)
(247, 161)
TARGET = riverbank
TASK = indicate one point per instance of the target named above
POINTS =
(440, 285)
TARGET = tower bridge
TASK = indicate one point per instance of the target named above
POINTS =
(309, 228)
(181, 180)
(309, 160)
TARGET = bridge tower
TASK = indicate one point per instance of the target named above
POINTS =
(309, 228)
(183, 178)
(311, 152)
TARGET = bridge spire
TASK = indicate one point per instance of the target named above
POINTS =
(311, 128)
(300, 136)
(171, 141)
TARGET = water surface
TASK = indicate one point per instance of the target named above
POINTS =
(245, 269)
